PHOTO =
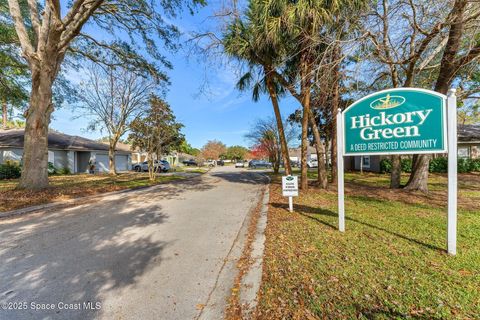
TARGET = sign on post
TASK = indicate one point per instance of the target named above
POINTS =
(290, 189)
(396, 121)
(401, 121)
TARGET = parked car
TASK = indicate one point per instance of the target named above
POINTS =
(294, 164)
(259, 164)
(220, 163)
(190, 162)
(165, 165)
(157, 165)
(312, 163)
(239, 164)
(210, 163)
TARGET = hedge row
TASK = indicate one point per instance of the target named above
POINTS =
(12, 170)
(438, 165)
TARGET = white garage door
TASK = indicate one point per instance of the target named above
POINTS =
(121, 162)
(102, 162)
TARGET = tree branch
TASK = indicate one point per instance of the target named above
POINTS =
(21, 30)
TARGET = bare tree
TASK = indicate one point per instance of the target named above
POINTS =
(48, 30)
(115, 96)
(264, 134)
(419, 43)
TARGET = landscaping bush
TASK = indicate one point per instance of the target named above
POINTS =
(407, 165)
(464, 165)
(385, 166)
(51, 168)
(10, 170)
(475, 165)
(64, 171)
(438, 165)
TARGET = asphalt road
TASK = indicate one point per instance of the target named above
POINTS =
(162, 253)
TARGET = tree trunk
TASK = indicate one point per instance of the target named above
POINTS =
(419, 180)
(151, 167)
(306, 93)
(320, 148)
(334, 110)
(35, 150)
(278, 118)
(396, 173)
(4, 113)
(111, 157)
(276, 164)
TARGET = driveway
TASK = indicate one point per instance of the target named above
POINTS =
(167, 252)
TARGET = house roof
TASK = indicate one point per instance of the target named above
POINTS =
(14, 138)
(468, 132)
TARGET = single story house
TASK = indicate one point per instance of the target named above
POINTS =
(66, 151)
(468, 147)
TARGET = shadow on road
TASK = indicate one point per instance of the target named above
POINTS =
(77, 254)
(80, 254)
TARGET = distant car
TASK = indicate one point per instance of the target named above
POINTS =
(259, 164)
(220, 163)
(210, 163)
(294, 164)
(165, 165)
(157, 165)
(312, 164)
(190, 162)
(239, 164)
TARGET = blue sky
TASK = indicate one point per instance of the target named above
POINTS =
(221, 113)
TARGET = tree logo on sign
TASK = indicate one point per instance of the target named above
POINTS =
(388, 102)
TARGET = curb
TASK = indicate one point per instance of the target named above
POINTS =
(250, 282)
(81, 200)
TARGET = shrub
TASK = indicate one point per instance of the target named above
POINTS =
(10, 170)
(64, 171)
(51, 168)
(439, 164)
(385, 166)
(407, 165)
(463, 165)
(475, 165)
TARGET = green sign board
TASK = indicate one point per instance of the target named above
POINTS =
(396, 121)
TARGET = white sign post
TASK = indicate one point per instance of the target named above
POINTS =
(290, 189)
(376, 125)
(341, 192)
(452, 172)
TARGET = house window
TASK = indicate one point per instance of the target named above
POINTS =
(463, 152)
(51, 156)
(366, 162)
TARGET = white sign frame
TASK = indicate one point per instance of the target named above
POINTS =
(451, 150)
(444, 120)
(290, 193)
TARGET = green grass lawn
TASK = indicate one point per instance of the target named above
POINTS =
(63, 187)
(389, 264)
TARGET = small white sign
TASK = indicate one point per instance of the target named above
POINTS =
(290, 186)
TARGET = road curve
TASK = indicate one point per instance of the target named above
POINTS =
(162, 253)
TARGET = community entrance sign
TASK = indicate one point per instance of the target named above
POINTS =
(396, 121)
(401, 121)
